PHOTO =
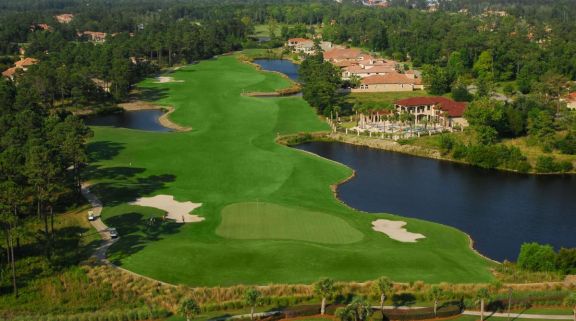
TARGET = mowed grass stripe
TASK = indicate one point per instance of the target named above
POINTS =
(259, 221)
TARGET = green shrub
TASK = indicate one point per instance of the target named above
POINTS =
(446, 144)
(536, 257)
(547, 164)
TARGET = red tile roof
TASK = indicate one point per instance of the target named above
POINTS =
(453, 108)
(8, 73)
(345, 63)
(23, 63)
(572, 96)
(391, 78)
(338, 53)
(298, 40)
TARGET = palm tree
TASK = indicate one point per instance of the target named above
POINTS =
(325, 288)
(482, 295)
(189, 308)
(570, 300)
(252, 298)
(360, 309)
(435, 293)
(383, 286)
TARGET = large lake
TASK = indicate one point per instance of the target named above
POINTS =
(499, 210)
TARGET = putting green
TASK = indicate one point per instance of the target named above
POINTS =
(255, 220)
(230, 160)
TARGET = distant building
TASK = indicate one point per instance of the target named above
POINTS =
(41, 27)
(444, 111)
(391, 82)
(22, 64)
(571, 101)
(306, 46)
(64, 18)
(376, 3)
(94, 36)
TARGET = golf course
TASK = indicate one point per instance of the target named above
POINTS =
(269, 212)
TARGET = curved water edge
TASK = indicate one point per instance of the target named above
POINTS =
(498, 210)
(283, 66)
(334, 188)
(147, 120)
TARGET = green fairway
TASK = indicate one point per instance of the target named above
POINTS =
(230, 162)
(252, 221)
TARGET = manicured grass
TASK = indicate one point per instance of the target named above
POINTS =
(264, 30)
(551, 311)
(231, 157)
(253, 221)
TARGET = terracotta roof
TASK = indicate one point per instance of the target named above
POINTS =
(572, 96)
(9, 72)
(23, 63)
(338, 53)
(391, 78)
(453, 108)
(382, 69)
(64, 18)
(354, 68)
(345, 63)
(298, 40)
(366, 57)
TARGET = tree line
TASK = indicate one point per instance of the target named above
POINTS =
(41, 156)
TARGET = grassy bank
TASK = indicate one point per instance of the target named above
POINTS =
(230, 158)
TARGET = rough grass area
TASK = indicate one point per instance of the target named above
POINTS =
(231, 156)
(255, 220)
(532, 152)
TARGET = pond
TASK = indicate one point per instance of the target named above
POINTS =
(499, 210)
(284, 66)
(139, 119)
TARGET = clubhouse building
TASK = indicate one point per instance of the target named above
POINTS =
(446, 112)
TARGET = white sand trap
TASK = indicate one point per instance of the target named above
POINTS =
(396, 231)
(177, 211)
(163, 80)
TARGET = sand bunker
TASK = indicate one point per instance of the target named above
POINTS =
(177, 211)
(163, 79)
(396, 231)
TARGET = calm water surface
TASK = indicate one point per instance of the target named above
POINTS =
(139, 119)
(499, 210)
(284, 66)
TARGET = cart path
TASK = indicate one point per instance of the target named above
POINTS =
(521, 315)
(102, 229)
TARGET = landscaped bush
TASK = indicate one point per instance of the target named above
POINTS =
(547, 164)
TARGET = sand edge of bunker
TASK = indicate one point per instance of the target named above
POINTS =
(175, 210)
(396, 230)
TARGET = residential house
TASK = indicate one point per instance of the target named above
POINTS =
(441, 110)
(306, 46)
(344, 54)
(571, 101)
(64, 18)
(94, 36)
(390, 82)
(359, 71)
(22, 64)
